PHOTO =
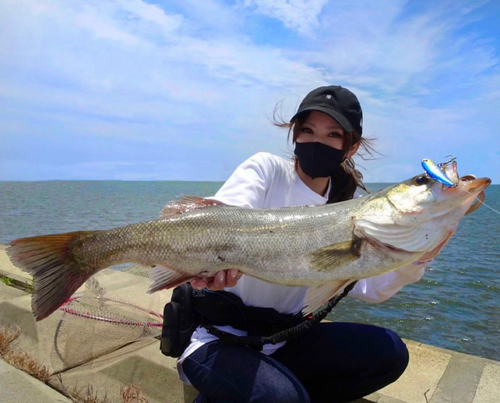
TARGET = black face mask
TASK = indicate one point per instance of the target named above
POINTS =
(317, 159)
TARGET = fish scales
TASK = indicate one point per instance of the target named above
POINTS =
(227, 237)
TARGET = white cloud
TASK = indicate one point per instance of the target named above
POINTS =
(299, 15)
(191, 74)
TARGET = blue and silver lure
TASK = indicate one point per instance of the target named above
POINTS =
(436, 173)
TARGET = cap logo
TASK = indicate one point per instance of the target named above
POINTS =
(328, 96)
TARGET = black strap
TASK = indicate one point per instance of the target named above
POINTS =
(257, 342)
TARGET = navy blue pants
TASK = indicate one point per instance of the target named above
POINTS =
(333, 362)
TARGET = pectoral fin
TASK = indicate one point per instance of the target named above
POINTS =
(332, 256)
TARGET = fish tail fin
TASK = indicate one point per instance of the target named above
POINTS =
(166, 277)
(56, 276)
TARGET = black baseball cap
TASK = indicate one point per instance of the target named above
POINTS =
(337, 102)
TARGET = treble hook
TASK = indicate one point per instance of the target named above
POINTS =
(442, 164)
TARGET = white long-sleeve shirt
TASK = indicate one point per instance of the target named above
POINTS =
(269, 181)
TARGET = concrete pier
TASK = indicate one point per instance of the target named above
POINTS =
(434, 375)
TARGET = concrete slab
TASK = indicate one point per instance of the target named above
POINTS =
(387, 399)
(37, 338)
(8, 292)
(18, 387)
(488, 390)
(460, 380)
(139, 363)
(422, 376)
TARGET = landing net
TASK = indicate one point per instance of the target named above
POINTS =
(106, 317)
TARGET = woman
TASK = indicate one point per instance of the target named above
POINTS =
(332, 362)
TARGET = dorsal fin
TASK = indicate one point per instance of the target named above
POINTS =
(187, 203)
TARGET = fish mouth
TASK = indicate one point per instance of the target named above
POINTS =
(472, 185)
(468, 184)
(475, 186)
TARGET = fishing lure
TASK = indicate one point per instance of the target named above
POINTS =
(436, 173)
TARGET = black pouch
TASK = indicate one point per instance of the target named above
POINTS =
(179, 322)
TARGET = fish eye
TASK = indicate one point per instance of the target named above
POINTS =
(421, 180)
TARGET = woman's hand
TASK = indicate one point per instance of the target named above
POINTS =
(222, 279)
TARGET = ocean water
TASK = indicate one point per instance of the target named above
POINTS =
(456, 305)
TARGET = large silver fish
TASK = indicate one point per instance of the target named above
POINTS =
(324, 247)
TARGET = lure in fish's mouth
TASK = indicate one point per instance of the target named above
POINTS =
(438, 171)
(446, 174)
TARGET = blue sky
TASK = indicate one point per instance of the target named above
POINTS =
(185, 89)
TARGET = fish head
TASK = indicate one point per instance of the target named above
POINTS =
(427, 198)
(420, 214)
(460, 197)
